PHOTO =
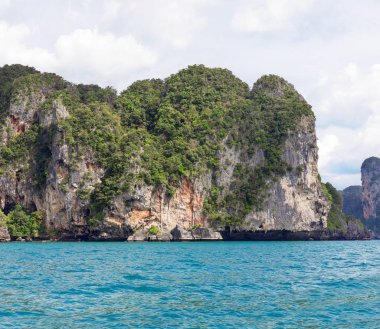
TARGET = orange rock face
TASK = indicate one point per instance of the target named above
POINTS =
(18, 125)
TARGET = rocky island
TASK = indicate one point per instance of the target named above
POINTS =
(363, 201)
(199, 155)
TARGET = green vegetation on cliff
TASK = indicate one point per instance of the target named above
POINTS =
(337, 220)
(22, 224)
(274, 109)
(8, 74)
(160, 132)
(181, 121)
(26, 87)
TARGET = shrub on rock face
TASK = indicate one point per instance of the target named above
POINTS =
(153, 230)
(21, 224)
(337, 220)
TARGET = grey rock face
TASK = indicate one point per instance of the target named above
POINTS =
(371, 187)
(164, 237)
(352, 201)
(201, 233)
(204, 233)
(138, 236)
(4, 234)
(180, 234)
(296, 202)
(363, 202)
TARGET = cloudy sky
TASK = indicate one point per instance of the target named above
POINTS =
(330, 51)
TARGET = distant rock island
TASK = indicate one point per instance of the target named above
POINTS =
(363, 201)
(199, 155)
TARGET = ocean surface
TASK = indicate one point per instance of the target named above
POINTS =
(331, 284)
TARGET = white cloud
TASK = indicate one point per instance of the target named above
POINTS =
(347, 97)
(112, 9)
(341, 181)
(350, 114)
(15, 49)
(369, 136)
(173, 22)
(81, 56)
(4, 4)
(105, 55)
(270, 15)
(327, 146)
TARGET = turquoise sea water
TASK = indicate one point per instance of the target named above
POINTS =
(190, 285)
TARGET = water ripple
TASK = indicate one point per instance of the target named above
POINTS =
(190, 285)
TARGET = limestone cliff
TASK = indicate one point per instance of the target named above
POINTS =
(352, 201)
(295, 202)
(370, 171)
(198, 150)
(363, 202)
